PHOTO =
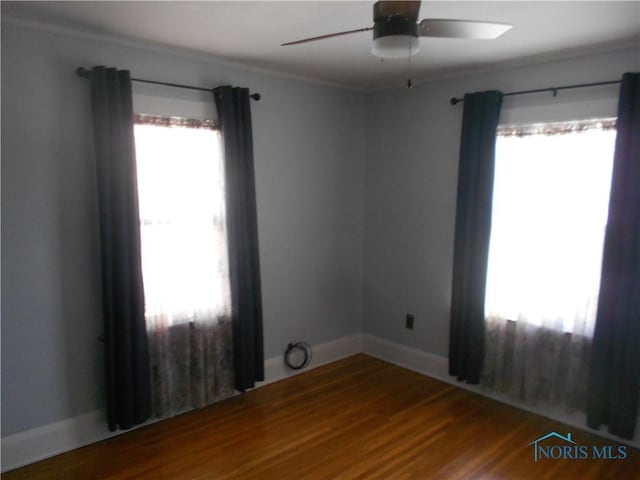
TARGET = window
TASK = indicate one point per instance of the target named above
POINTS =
(550, 203)
(182, 219)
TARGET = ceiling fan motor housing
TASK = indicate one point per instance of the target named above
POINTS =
(395, 35)
(384, 25)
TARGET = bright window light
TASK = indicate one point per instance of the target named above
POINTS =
(182, 222)
(550, 204)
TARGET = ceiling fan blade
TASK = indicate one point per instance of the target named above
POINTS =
(437, 27)
(322, 37)
(387, 8)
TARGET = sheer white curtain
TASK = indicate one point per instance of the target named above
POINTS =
(184, 262)
(551, 194)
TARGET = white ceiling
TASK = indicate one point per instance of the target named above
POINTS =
(251, 33)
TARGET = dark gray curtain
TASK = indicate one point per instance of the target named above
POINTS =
(127, 361)
(614, 384)
(473, 227)
(234, 112)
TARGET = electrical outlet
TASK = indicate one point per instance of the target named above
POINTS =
(409, 321)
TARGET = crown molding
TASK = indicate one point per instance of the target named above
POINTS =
(629, 44)
(452, 74)
(155, 47)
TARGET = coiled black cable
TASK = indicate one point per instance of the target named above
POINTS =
(305, 348)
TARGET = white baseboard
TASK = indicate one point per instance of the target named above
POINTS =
(42, 442)
(52, 439)
(437, 367)
(324, 353)
(407, 357)
(46, 441)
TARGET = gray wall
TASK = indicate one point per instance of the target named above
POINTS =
(411, 172)
(311, 143)
(309, 156)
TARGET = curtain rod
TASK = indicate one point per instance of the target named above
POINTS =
(83, 72)
(455, 100)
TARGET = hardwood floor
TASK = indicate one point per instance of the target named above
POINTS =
(359, 418)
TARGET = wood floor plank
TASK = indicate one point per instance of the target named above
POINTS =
(359, 418)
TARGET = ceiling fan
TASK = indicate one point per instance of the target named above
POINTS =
(396, 29)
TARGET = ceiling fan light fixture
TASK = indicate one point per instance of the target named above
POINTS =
(395, 46)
